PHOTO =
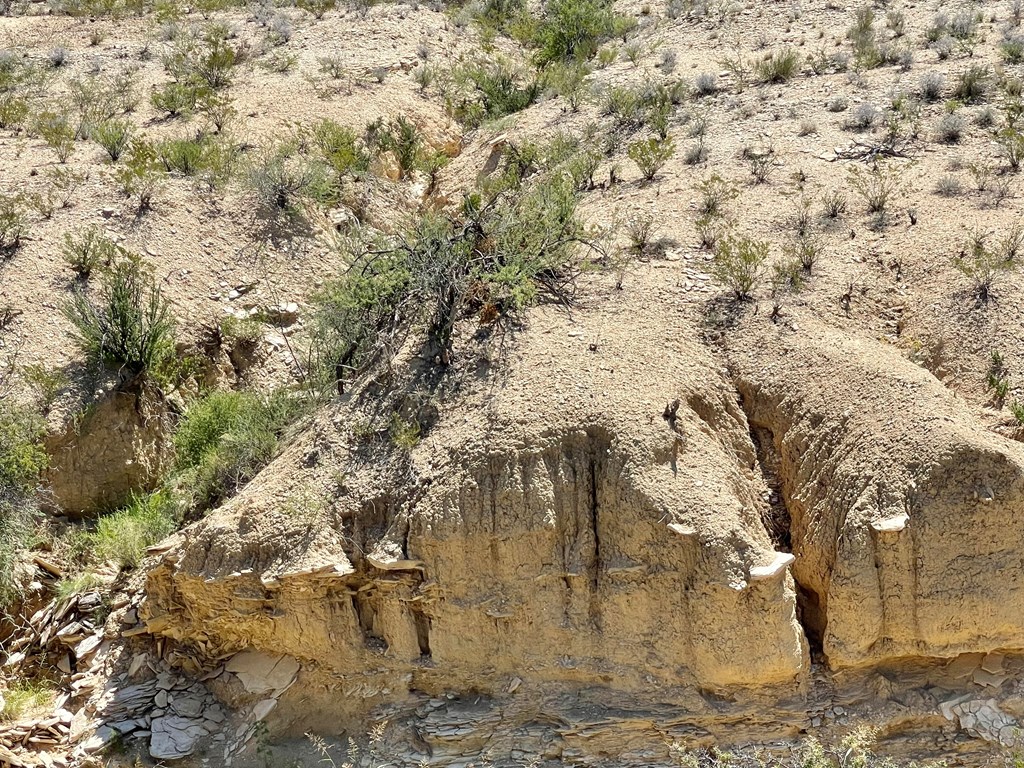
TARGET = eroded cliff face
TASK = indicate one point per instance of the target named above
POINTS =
(907, 516)
(616, 555)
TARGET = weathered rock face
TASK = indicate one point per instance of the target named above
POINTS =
(907, 516)
(676, 545)
(122, 444)
(570, 533)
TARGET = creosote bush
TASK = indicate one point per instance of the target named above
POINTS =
(573, 29)
(982, 264)
(737, 264)
(90, 250)
(650, 155)
(877, 184)
(512, 243)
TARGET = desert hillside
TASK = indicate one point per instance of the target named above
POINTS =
(582, 382)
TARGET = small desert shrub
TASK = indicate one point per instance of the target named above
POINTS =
(634, 51)
(123, 536)
(650, 155)
(57, 131)
(696, 153)
(706, 83)
(807, 128)
(1011, 142)
(114, 136)
(640, 228)
(943, 47)
(876, 185)
(982, 265)
(948, 186)
(13, 111)
(175, 99)
(128, 324)
(985, 118)
(58, 57)
(833, 204)
(340, 147)
(837, 104)
(13, 222)
(865, 116)
(1012, 48)
(973, 84)
(805, 251)
(518, 238)
(963, 25)
(568, 80)
(779, 67)
(715, 193)
(489, 90)
(761, 162)
(186, 157)
(282, 178)
(318, 8)
(737, 263)
(141, 173)
(226, 437)
(951, 128)
(400, 137)
(86, 252)
(573, 29)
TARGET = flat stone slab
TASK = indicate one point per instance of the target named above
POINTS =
(263, 672)
(173, 737)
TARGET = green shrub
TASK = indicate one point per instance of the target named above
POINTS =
(737, 263)
(114, 136)
(85, 253)
(973, 84)
(182, 156)
(13, 223)
(13, 111)
(123, 536)
(715, 192)
(1011, 142)
(490, 89)
(57, 131)
(1012, 49)
(779, 66)
(876, 185)
(401, 137)
(202, 63)
(141, 174)
(982, 265)
(340, 147)
(176, 98)
(22, 459)
(509, 243)
(225, 438)
(318, 8)
(282, 178)
(128, 325)
(650, 155)
(568, 80)
(573, 29)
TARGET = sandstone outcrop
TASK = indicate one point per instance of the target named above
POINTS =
(120, 445)
(907, 516)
